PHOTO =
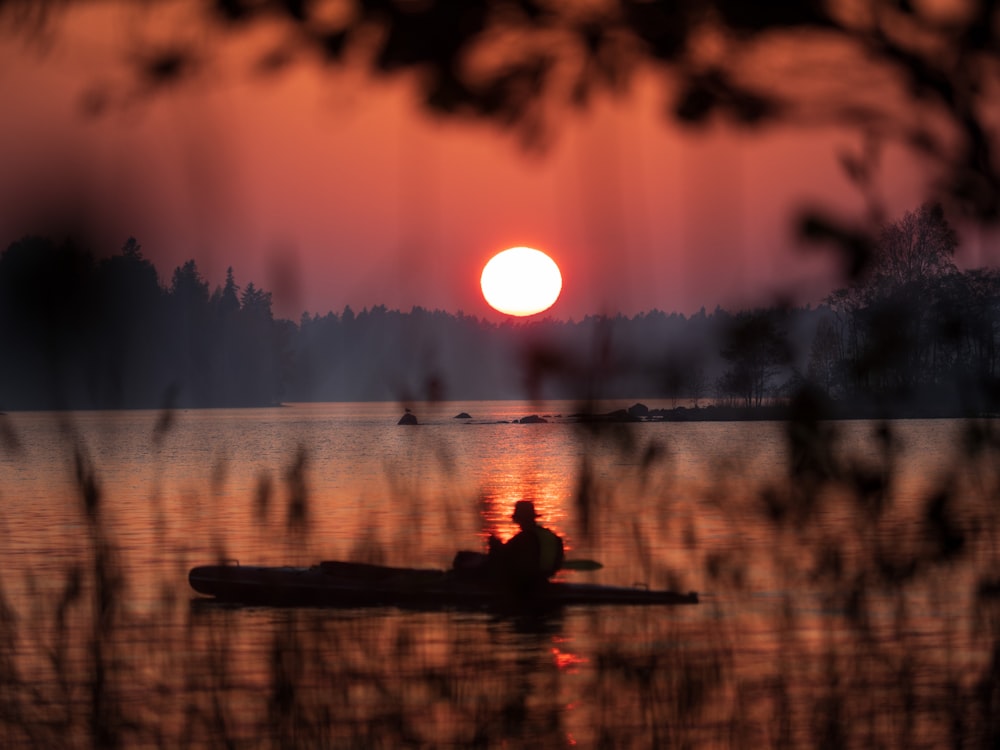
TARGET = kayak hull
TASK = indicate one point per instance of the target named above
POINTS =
(346, 584)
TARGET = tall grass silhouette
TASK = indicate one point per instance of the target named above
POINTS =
(884, 632)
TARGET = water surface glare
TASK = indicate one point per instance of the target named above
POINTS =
(842, 589)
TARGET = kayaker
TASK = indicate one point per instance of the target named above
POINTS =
(531, 556)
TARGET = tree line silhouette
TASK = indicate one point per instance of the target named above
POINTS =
(912, 336)
(77, 332)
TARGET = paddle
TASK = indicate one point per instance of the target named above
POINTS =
(585, 565)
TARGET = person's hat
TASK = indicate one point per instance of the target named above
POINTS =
(524, 510)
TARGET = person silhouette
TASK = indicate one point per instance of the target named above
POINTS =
(530, 557)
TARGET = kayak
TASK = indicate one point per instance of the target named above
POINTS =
(349, 584)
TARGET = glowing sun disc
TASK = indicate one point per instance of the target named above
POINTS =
(521, 281)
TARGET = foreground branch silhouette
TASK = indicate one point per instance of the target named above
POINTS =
(917, 75)
(885, 572)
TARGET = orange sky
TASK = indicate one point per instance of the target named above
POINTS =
(331, 189)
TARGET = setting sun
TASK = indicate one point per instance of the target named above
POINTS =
(521, 281)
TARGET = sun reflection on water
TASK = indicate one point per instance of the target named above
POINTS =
(567, 661)
(518, 477)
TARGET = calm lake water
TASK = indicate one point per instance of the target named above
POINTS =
(840, 604)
